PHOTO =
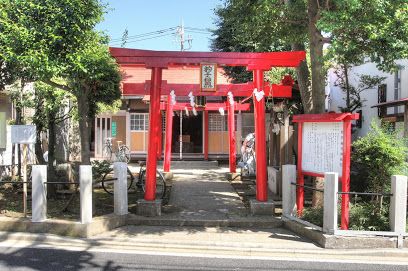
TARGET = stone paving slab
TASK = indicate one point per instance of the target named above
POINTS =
(203, 194)
(277, 238)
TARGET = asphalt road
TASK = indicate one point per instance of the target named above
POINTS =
(30, 258)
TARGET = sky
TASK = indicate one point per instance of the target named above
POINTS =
(141, 17)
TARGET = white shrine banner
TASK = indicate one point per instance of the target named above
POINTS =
(322, 147)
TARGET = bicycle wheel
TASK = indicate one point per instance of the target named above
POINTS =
(124, 154)
(160, 183)
(107, 153)
(109, 179)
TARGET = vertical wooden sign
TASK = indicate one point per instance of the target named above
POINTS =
(208, 77)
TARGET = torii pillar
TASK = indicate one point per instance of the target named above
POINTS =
(231, 135)
(169, 129)
(154, 110)
(261, 205)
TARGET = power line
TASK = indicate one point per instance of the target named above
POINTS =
(146, 34)
(148, 38)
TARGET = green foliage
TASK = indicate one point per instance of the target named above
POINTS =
(364, 216)
(368, 216)
(313, 215)
(377, 29)
(96, 73)
(39, 35)
(100, 168)
(378, 156)
(49, 102)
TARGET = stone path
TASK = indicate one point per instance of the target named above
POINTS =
(203, 194)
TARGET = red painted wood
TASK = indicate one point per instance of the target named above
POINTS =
(239, 90)
(150, 193)
(231, 135)
(260, 141)
(346, 118)
(205, 135)
(345, 183)
(208, 107)
(168, 59)
(169, 130)
(327, 117)
(300, 192)
(160, 137)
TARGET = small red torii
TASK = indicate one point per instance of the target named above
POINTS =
(159, 60)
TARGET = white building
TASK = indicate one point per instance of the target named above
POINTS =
(394, 87)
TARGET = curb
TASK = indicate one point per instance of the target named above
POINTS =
(225, 248)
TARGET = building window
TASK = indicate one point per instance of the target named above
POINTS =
(216, 123)
(219, 123)
(139, 122)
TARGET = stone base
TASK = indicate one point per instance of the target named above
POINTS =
(262, 208)
(232, 175)
(149, 208)
(168, 176)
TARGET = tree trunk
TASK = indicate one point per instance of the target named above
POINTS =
(316, 59)
(38, 146)
(39, 152)
(346, 80)
(303, 77)
(84, 127)
(52, 189)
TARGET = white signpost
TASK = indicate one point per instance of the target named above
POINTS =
(25, 135)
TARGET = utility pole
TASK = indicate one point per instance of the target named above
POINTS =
(180, 35)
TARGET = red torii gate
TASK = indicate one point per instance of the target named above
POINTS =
(159, 60)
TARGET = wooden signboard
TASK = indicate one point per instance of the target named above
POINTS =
(208, 77)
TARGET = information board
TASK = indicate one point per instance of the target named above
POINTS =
(322, 147)
(23, 134)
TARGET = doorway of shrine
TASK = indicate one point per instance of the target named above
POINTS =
(187, 133)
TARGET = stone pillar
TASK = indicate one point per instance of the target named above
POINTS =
(120, 193)
(85, 185)
(398, 208)
(331, 186)
(288, 190)
(39, 193)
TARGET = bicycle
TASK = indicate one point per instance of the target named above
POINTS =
(122, 154)
(108, 181)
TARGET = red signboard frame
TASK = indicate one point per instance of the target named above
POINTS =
(346, 118)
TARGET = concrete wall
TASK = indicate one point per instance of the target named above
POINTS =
(337, 97)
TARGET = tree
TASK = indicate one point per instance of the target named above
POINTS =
(52, 39)
(353, 98)
(94, 78)
(380, 33)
